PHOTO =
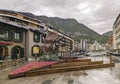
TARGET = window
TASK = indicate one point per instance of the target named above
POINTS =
(35, 50)
(43, 38)
(0, 17)
(4, 34)
(25, 23)
(18, 36)
(12, 19)
(36, 37)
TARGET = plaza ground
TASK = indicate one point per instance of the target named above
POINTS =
(109, 75)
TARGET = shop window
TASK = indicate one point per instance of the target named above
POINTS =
(35, 50)
(36, 37)
(3, 52)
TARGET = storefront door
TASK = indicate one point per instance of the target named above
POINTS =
(17, 52)
(3, 52)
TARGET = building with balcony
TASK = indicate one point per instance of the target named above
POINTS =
(20, 35)
(116, 33)
(24, 37)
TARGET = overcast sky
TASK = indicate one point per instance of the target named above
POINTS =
(99, 15)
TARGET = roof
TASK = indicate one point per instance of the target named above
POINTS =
(15, 12)
(59, 31)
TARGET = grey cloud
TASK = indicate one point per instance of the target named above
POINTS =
(97, 14)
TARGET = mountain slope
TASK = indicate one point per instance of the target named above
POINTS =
(109, 33)
(68, 25)
(71, 27)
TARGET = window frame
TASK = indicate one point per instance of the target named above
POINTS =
(20, 36)
(43, 36)
(32, 50)
(8, 36)
(38, 37)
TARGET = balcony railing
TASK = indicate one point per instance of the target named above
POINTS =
(21, 25)
(15, 24)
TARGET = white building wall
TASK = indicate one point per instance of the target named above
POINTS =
(96, 46)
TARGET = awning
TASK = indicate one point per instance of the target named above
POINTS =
(6, 43)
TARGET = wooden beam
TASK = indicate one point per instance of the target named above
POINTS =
(66, 69)
(70, 64)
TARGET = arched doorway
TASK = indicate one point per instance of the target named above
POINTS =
(35, 51)
(3, 52)
(17, 52)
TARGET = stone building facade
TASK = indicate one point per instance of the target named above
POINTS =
(23, 36)
(116, 33)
